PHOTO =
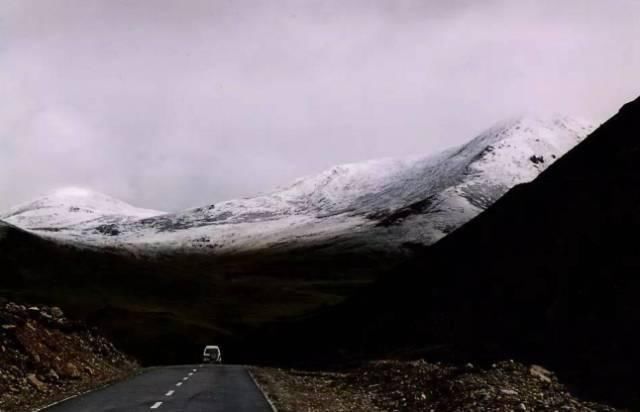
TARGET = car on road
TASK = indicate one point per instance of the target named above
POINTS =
(212, 354)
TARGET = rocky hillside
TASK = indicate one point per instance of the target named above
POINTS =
(46, 357)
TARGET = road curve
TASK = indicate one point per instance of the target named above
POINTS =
(195, 388)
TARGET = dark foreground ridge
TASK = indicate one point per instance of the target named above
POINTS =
(549, 274)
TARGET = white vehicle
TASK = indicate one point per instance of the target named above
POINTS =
(212, 354)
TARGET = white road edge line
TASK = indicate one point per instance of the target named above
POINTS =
(169, 393)
(77, 395)
(156, 405)
(64, 400)
(262, 391)
(179, 384)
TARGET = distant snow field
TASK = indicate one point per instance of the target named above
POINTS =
(387, 204)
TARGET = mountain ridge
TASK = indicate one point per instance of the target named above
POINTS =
(379, 204)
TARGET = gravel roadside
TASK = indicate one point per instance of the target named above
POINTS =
(421, 386)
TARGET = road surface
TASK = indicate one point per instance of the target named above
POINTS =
(195, 388)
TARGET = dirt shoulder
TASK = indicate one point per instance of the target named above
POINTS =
(421, 386)
(45, 357)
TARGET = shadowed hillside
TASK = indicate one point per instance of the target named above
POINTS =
(164, 308)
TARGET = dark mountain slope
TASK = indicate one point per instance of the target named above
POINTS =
(558, 255)
(551, 273)
(164, 308)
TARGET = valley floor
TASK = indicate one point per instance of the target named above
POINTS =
(421, 386)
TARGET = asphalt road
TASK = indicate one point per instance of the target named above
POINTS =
(195, 388)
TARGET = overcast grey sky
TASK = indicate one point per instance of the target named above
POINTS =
(170, 104)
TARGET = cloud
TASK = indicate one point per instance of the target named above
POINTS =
(173, 104)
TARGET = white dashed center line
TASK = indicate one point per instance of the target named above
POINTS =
(156, 405)
(170, 393)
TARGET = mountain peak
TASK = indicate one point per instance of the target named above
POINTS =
(546, 119)
(84, 197)
(74, 191)
(73, 205)
(535, 123)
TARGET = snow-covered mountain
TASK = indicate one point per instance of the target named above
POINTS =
(73, 207)
(381, 204)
